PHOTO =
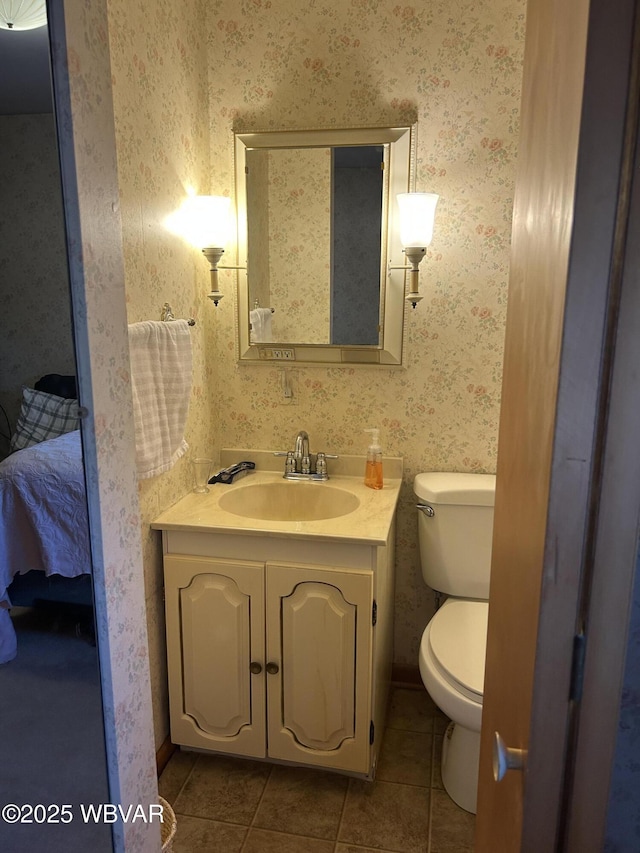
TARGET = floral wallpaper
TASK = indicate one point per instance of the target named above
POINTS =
(299, 238)
(455, 69)
(34, 282)
(158, 67)
(183, 81)
(82, 84)
(452, 65)
(257, 189)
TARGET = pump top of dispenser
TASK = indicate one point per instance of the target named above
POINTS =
(375, 440)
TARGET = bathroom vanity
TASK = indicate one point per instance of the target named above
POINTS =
(279, 608)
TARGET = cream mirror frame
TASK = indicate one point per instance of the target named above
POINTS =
(398, 145)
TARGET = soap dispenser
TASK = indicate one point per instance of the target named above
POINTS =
(373, 470)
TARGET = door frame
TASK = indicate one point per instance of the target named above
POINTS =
(550, 549)
(606, 615)
(572, 587)
(81, 73)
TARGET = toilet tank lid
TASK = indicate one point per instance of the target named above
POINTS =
(445, 487)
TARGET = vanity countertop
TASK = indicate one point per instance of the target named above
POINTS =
(368, 524)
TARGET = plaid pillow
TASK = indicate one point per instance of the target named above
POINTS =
(43, 416)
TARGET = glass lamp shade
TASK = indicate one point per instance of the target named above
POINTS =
(202, 220)
(22, 14)
(417, 213)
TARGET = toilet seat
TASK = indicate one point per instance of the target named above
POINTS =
(444, 675)
(457, 639)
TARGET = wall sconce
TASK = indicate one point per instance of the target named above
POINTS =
(22, 14)
(417, 214)
(205, 221)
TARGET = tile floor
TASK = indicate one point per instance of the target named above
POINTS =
(230, 805)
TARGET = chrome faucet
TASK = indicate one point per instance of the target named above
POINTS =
(301, 453)
(299, 462)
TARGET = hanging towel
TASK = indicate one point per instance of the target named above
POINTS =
(260, 319)
(161, 367)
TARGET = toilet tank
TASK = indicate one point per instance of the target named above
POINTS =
(455, 543)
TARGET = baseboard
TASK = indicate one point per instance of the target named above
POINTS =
(404, 675)
(164, 754)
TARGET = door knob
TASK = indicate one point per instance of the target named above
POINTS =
(506, 758)
(273, 668)
(255, 668)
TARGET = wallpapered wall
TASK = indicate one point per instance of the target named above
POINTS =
(160, 105)
(82, 83)
(34, 281)
(455, 67)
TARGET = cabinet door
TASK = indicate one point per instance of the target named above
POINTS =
(319, 637)
(215, 630)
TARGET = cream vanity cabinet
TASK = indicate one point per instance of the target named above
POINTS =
(271, 659)
(280, 633)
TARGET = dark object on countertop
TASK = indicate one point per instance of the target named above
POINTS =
(234, 472)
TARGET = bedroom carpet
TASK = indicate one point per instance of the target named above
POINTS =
(51, 737)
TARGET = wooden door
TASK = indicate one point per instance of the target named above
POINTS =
(569, 213)
(319, 636)
(215, 630)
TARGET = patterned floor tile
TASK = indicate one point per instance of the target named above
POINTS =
(263, 841)
(411, 710)
(386, 815)
(175, 774)
(195, 835)
(452, 828)
(302, 801)
(406, 758)
(221, 788)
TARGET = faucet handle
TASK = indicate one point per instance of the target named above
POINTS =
(290, 464)
(321, 463)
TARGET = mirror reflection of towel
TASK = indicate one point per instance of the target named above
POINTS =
(260, 319)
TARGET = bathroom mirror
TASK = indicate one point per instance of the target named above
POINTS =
(316, 232)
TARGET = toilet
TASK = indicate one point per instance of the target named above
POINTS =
(455, 526)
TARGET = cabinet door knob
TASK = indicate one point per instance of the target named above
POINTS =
(273, 668)
(255, 668)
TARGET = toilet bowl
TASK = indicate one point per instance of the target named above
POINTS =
(455, 531)
(452, 655)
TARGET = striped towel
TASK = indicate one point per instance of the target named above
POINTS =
(161, 367)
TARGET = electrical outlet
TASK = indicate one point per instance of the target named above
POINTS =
(277, 354)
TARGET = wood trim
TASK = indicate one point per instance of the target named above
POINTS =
(163, 754)
(566, 212)
(544, 209)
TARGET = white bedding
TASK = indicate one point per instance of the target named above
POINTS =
(43, 519)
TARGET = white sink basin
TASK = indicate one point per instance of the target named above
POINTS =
(290, 501)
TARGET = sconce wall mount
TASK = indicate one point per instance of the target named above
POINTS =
(417, 214)
(204, 220)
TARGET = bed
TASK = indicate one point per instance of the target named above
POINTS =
(43, 524)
